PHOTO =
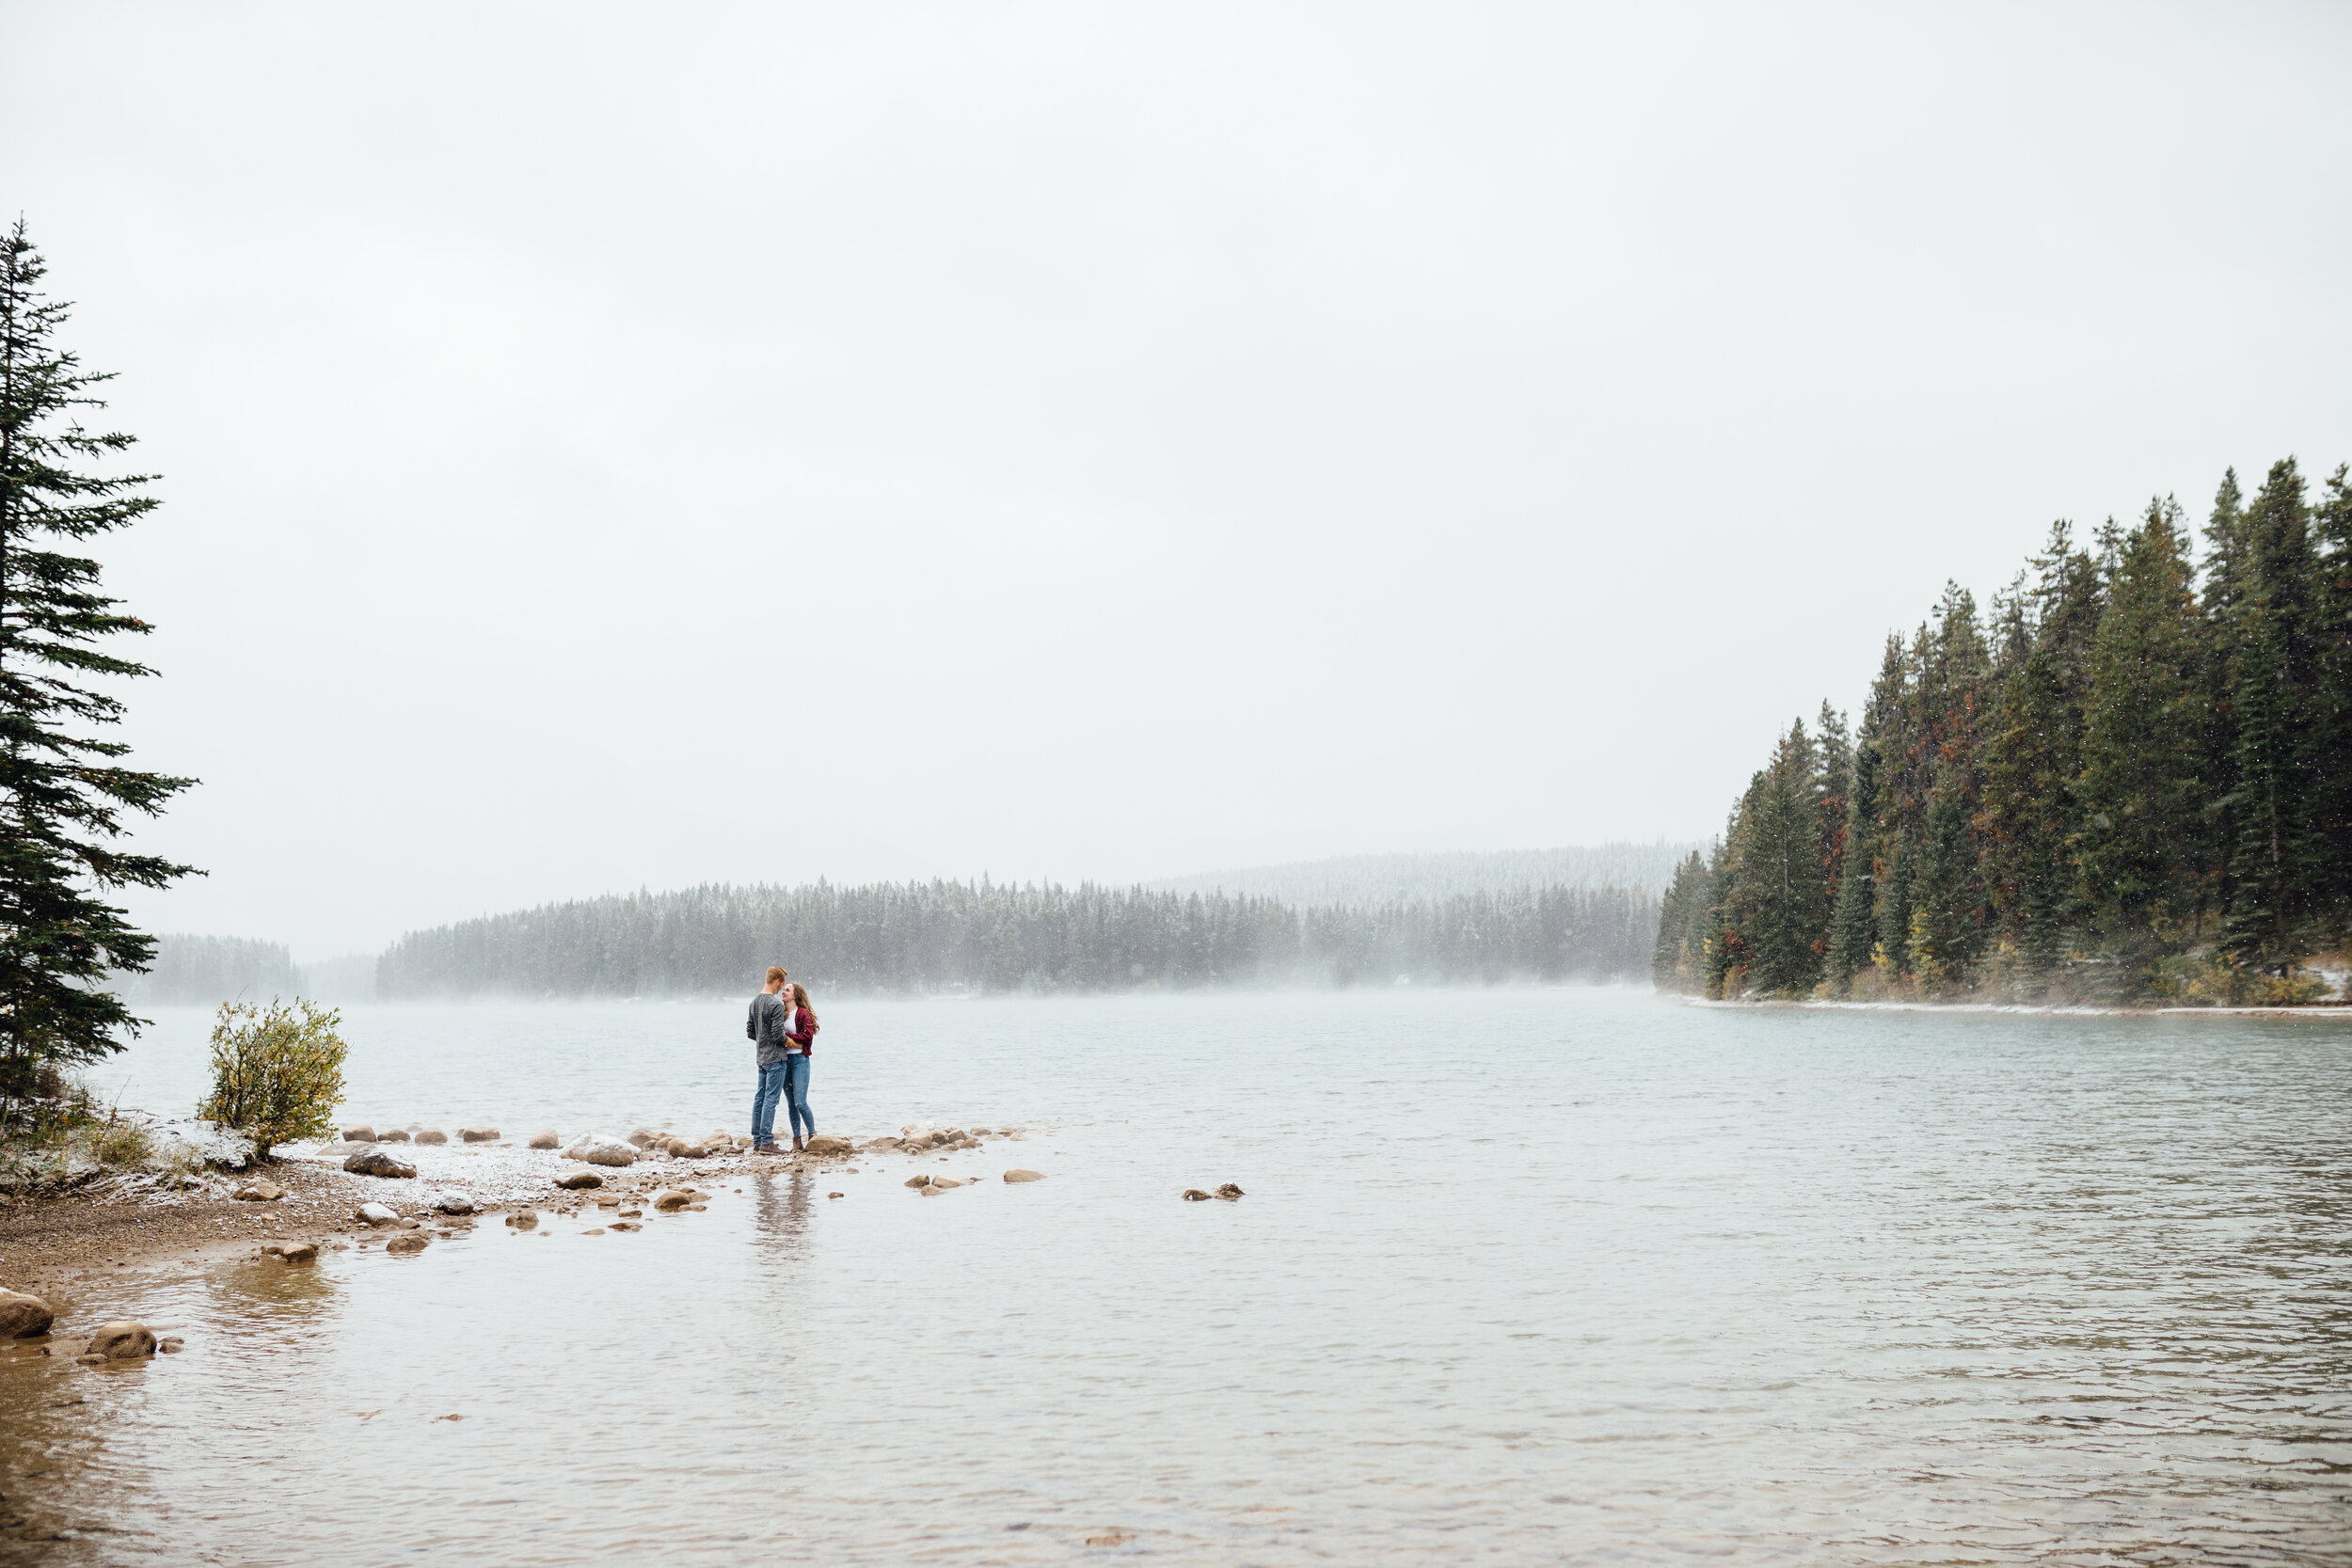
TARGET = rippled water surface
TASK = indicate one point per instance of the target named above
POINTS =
(1521, 1277)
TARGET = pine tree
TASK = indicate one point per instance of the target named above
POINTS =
(1852, 934)
(2142, 790)
(2224, 574)
(2033, 753)
(2333, 726)
(62, 796)
(2273, 671)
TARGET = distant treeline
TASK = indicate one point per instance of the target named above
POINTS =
(1362, 880)
(940, 936)
(210, 970)
(2126, 783)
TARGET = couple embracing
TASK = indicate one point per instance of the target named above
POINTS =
(783, 1027)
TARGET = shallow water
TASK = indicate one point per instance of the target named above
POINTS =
(1529, 1276)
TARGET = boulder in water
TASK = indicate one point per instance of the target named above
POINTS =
(1194, 1194)
(1024, 1176)
(670, 1199)
(1229, 1191)
(377, 1161)
(918, 1181)
(391, 1135)
(122, 1341)
(479, 1135)
(24, 1317)
(408, 1241)
(358, 1134)
(524, 1219)
(433, 1136)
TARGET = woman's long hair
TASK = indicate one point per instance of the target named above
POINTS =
(800, 994)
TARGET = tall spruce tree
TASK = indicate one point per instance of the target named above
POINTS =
(2224, 593)
(2032, 755)
(2273, 669)
(63, 795)
(2141, 797)
(1853, 929)
(2332, 737)
(1776, 904)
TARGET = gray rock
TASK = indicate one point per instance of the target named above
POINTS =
(479, 1135)
(358, 1134)
(433, 1136)
(24, 1317)
(377, 1161)
(546, 1140)
(1017, 1174)
(122, 1341)
(455, 1203)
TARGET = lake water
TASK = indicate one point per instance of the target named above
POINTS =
(1521, 1277)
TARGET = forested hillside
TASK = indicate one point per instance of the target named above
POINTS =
(208, 970)
(1407, 878)
(957, 936)
(2132, 780)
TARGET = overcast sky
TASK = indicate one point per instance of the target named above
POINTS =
(612, 445)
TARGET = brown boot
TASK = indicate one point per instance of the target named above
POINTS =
(796, 1144)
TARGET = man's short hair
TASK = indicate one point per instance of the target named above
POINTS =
(775, 972)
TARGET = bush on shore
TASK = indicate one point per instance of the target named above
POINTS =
(277, 1071)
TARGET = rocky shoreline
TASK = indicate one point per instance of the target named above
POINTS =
(401, 1188)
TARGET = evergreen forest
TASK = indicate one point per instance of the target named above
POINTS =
(2129, 781)
(943, 936)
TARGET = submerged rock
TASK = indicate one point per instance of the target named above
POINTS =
(626, 1225)
(171, 1344)
(524, 1219)
(433, 1136)
(23, 1316)
(122, 1341)
(1229, 1191)
(376, 1161)
(1194, 1194)
(479, 1135)
(579, 1180)
(408, 1241)
(358, 1134)
(1017, 1174)
(294, 1252)
(546, 1140)
(670, 1199)
(918, 1181)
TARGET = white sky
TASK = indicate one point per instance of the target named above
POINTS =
(635, 445)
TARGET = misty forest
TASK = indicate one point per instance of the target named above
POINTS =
(2132, 780)
(943, 936)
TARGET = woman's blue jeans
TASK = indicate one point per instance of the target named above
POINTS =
(771, 1077)
(796, 1097)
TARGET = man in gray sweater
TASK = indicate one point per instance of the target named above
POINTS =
(770, 1028)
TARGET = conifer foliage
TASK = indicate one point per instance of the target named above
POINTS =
(2121, 783)
(64, 795)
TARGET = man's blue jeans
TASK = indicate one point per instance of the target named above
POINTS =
(771, 1076)
(796, 1096)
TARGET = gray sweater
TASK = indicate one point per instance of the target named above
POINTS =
(765, 1028)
